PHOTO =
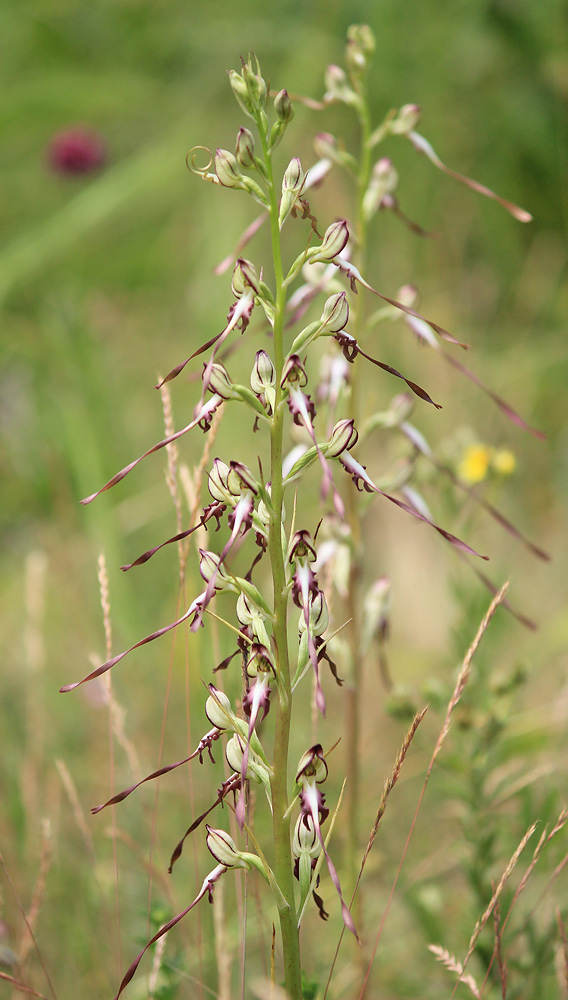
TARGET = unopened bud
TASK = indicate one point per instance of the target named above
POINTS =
(240, 90)
(244, 149)
(384, 180)
(337, 86)
(218, 381)
(334, 241)
(292, 185)
(254, 82)
(241, 478)
(218, 709)
(283, 106)
(400, 408)
(224, 850)
(360, 49)
(406, 120)
(227, 169)
(335, 313)
(326, 147)
(376, 610)
(209, 567)
(343, 437)
(293, 176)
(263, 373)
(361, 36)
(219, 482)
(407, 295)
(244, 277)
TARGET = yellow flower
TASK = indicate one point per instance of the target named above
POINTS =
(503, 462)
(475, 463)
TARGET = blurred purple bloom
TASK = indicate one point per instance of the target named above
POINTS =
(76, 151)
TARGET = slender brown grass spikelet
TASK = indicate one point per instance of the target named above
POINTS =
(390, 783)
(499, 952)
(46, 857)
(192, 484)
(461, 682)
(495, 897)
(451, 963)
(465, 671)
(172, 453)
(76, 807)
(544, 839)
(105, 603)
(388, 787)
(563, 969)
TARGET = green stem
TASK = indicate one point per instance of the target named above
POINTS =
(283, 867)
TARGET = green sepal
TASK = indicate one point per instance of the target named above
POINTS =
(305, 337)
(303, 462)
(247, 396)
(252, 592)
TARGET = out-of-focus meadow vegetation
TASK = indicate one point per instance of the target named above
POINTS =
(106, 281)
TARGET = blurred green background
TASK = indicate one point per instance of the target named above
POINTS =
(106, 281)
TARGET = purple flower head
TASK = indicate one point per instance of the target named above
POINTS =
(76, 151)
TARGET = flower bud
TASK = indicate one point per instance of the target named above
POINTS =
(343, 437)
(256, 86)
(234, 752)
(376, 609)
(326, 147)
(244, 277)
(241, 478)
(240, 90)
(400, 408)
(361, 36)
(292, 185)
(384, 180)
(224, 850)
(219, 483)
(337, 87)
(218, 709)
(227, 169)
(209, 566)
(283, 106)
(335, 313)
(263, 373)
(244, 149)
(406, 120)
(293, 176)
(407, 295)
(218, 381)
(334, 241)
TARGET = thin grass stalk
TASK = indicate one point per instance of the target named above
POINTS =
(461, 682)
(494, 898)
(104, 592)
(388, 787)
